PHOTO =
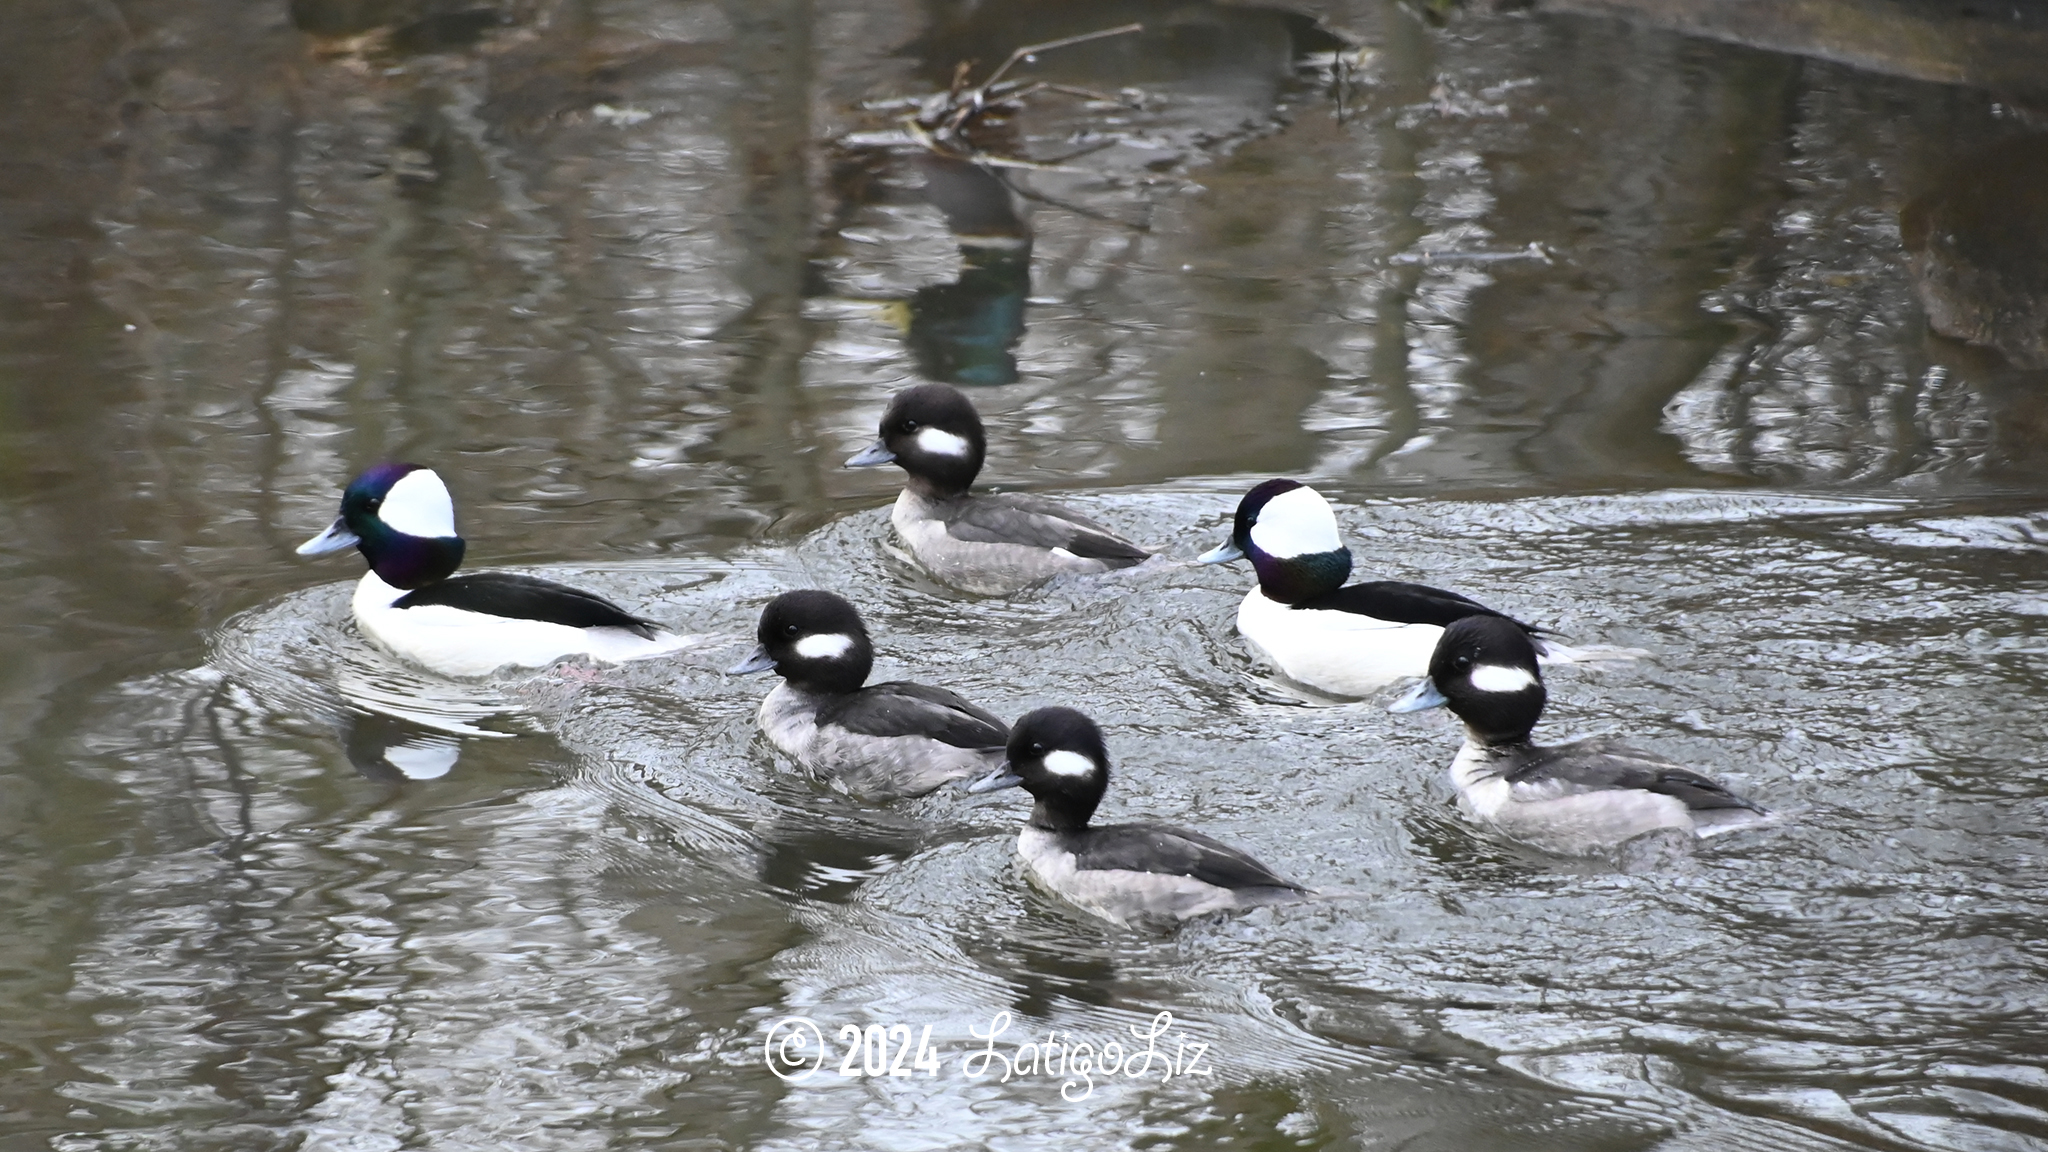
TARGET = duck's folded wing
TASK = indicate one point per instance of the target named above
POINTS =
(900, 708)
(1601, 765)
(1162, 849)
(517, 597)
(1403, 603)
(1040, 523)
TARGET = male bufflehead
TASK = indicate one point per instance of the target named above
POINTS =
(1349, 640)
(1575, 798)
(879, 742)
(983, 544)
(1121, 872)
(401, 518)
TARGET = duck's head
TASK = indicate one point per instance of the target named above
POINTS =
(401, 518)
(1288, 532)
(932, 432)
(1057, 755)
(1484, 670)
(813, 639)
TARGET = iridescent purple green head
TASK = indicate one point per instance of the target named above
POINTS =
(401, 518)
(1286, 529)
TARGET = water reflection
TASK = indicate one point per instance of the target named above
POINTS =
(387, 748)
(962, 332)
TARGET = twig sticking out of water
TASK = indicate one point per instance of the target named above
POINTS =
(963, 102)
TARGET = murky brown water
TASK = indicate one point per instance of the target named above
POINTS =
(1610, 327)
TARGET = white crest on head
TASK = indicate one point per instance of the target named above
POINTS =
(419, 505)
(1069, 764)
(939, 442)
(1297, 522)
(825, 646)
(1502, 678)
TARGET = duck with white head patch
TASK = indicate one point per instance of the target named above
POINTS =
(1125, 873)
(1574, 798)
(1344, 639)
(401, 518)
(875, 742)
(989, 545)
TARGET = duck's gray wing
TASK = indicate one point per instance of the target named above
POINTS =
(1166, 850)
(900, 708)
(518, 597)
(1602, 765)
(1011, 519)
(1403, 603)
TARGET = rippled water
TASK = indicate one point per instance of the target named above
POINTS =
(1606, 327)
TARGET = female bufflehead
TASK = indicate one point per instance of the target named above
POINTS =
(1574, 798)
(983, 544)
(401, 518)
(1350, 640)
(1121, 872)
(878, 742)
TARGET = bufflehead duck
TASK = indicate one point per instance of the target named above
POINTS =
(1349, 640)
(878, 742)
(988, 545)
(1121, 872)
(402, 520)
(1575, 798)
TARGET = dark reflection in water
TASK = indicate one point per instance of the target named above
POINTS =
(1979, 245)
(962, 332)
(390, 749)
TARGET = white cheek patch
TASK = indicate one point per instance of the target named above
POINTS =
(1298, 522)
(419, 505)
(938, 442)
(824, 646)
(1069, 764)
(1500, 678)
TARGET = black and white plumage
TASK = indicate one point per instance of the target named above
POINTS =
(1344, 639)
(1125, 873)
(401, 518)
(874, 741)
(513, 596)
(1573, 798)
(978, 543)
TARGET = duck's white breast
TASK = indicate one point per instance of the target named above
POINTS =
(458, 642)
(1343, 653)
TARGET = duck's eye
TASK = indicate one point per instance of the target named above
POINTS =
(790, 629)
(1462, 663)
(910, 425)
(375, 503)
(1038, 749)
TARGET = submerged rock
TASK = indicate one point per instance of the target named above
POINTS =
(1979, 247)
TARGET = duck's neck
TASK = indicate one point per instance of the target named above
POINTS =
(1061, 814)
(411, 562)
(1293, 579)
(937, 490)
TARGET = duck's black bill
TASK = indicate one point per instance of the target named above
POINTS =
(876, 453)
(995, 781)
(334, 539)
(1420, 698)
